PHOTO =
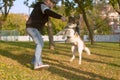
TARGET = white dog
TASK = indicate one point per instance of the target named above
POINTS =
(77, 43)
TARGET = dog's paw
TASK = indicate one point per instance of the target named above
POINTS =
(79, 63)
(71, 60)
(89, 53)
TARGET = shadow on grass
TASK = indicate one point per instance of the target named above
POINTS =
(23, 59)
(71, 73)
(106, 46)
(31, 45)
(107, 56)
(95, 61)
(91, 60)
(59, 69)
(20, 44)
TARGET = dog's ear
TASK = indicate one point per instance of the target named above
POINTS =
(78, 19)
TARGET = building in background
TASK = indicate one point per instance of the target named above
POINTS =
(114, 22)
(111, 14)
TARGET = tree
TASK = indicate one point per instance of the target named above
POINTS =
(5, 6)
(99, 24)
(69, 7)
(15, 22)
(116, 5)
(50, 33)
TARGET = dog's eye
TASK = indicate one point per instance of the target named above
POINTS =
(68, 36)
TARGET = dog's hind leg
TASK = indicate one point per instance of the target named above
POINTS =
(73, 53)
(80, 56)
(80, 50)
(87, 50)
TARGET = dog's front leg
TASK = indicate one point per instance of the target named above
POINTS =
(73, 53)
(80, 55)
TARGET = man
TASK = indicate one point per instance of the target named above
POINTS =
(39, 16)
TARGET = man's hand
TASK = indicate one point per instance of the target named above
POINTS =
(63, 18)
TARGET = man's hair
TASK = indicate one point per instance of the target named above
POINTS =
(55, 1)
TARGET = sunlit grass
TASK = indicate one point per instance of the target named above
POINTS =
(103, 64)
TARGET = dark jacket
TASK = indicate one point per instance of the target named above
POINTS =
(38, 19)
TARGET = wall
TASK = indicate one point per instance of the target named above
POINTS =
(104, 38)
(97, 38)
(28, 38)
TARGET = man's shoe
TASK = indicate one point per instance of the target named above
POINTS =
(42, 66)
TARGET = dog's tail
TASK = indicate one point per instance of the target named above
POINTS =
(87, 50)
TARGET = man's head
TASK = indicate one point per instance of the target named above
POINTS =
(55, 1)
(51, 3)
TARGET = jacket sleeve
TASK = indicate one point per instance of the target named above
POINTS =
(52, 14)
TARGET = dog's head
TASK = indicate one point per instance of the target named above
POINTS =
(71, 31)
(75, 19)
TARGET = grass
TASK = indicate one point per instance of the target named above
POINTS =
(103, 64)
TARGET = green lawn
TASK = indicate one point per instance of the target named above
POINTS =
(103, 64)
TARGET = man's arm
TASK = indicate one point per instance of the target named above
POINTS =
(52, 14)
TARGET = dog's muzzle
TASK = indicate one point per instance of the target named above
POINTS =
(68, 40)
(69, 34)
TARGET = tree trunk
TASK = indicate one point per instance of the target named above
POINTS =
(88, 27)
(87, 24)
(50, 34)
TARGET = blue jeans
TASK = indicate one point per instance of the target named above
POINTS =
(37, 38)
